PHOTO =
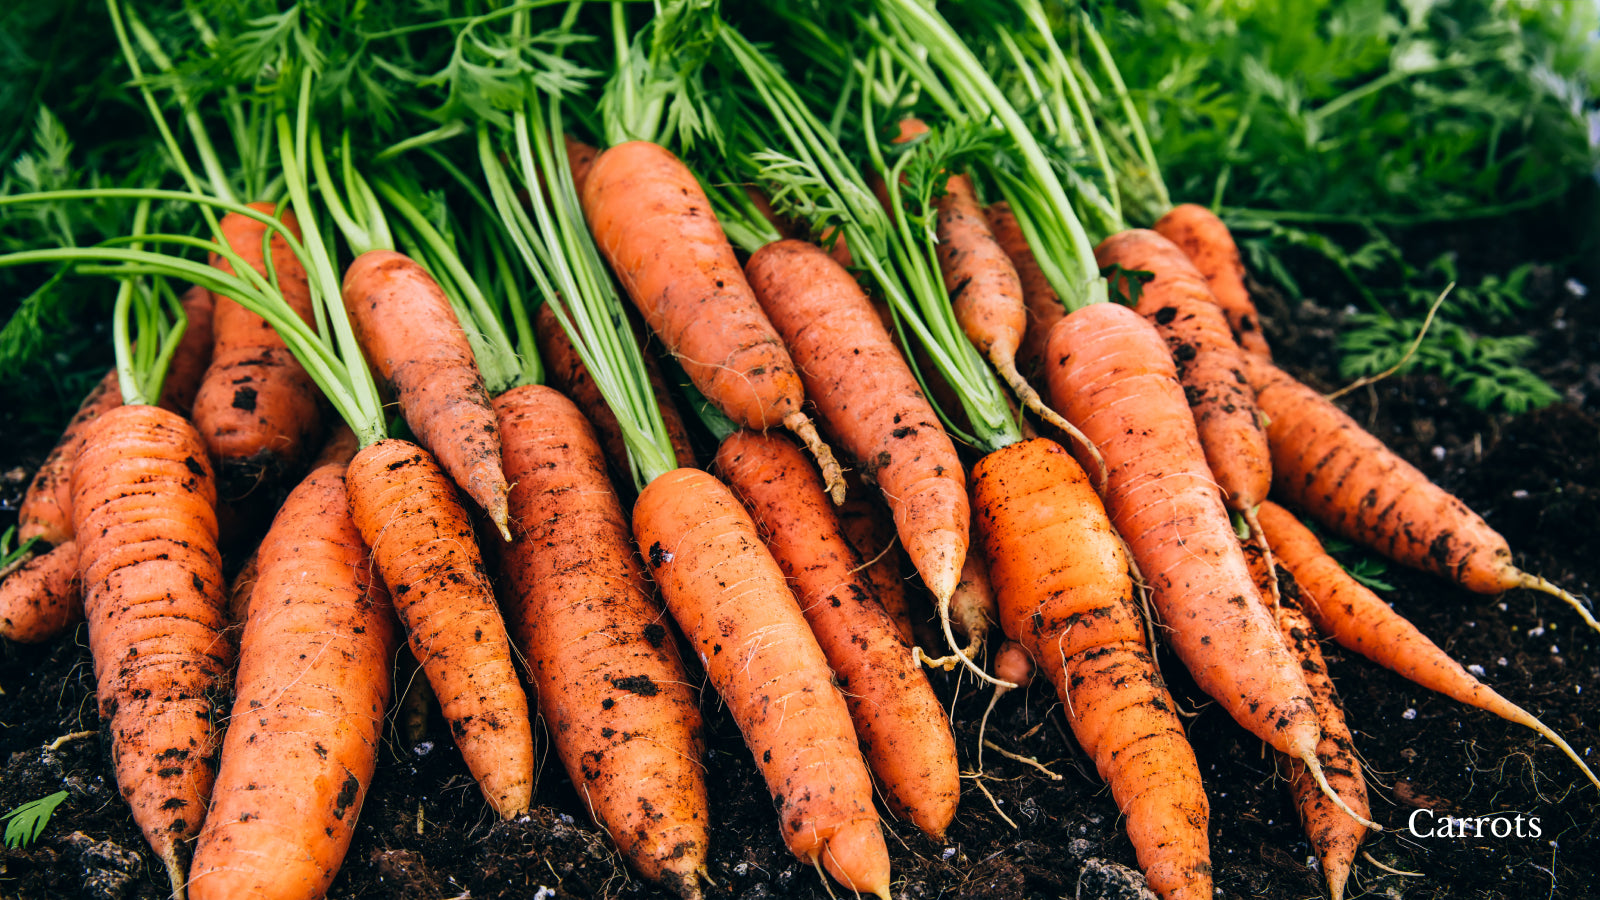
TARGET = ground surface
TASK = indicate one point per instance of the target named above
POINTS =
(425, 832)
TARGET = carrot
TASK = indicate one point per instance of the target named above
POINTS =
(1334, 836)
(144, 509)
(1207, 242)
(973, 605)
(610, 683)
(1359, 620)
(869, 401)
(414, 342)
(567, 373)
(308, 717)
(1113, 377)
(724, 589)
(256, 408)
(654, 225)
(1044, 307)
(43, 596)
(869, 527)
(904, 732)
(1066, 596)
(986, 292)
(423, 544)
(1329, 466)
(1209, 367)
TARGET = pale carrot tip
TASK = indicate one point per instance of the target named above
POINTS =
(832, 475)
(1314, 766)
(16, 564)
(175, 872)
(1535, 583)
(1031, 399)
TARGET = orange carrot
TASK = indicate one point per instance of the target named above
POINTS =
(144, 509)
(1113, 377)
(869, 401)
(257, 408)
(869, 527)
(1066, 596)
(620, 707)
(1334, 836)
(903, 730)
(193, 356)
(1360, 621)
(1044, 307)
(654, 225)
(1210, 245)
(415, 344)
(312, 688)
(566, 372)
(1329, 466)
(423, 544)
(723, 587)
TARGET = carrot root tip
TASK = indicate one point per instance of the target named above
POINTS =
(1030, 398)
(806, 431)
(1314, 766)
(1535, 583)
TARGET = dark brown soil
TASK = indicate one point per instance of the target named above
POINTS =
(426, 833)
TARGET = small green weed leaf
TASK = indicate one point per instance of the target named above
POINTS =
(25, 823)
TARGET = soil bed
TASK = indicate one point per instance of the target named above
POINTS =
(426, 833)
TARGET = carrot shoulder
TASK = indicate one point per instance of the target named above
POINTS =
(724, 589)
(869, 401)
(144, 503)
(903, 730)
(610, 683)
(257, 409)
(1113, 377)
(1066, 596)
(1210, 244)
(313, 685)
(423, 545)
(655, 227)
(415, 344)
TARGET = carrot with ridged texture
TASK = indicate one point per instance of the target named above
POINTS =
(567, 373)
(903, 731)
(1361, 621)
(415, 344)
(653, 223)
(729, 596)
(423, 544)
(622, 713)
(1112, 375)
(257, 408)
(311, 693)
(1208, 242)
(1041, 303)
(869, 527)
(1345, 478)
(870, 402)
(1067, 597)
(1334, 836)
(144, 503)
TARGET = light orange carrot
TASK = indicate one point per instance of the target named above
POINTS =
(723, 587)
(1044, 307)
(621, 710)
(903, 730)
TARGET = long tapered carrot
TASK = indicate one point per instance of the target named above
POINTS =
(1328, 465)
(1210, 245)
(621, 711)
(567, 373)
(313, 685)
(415, 343)
(1043, 305)
(423, 544)
(724, 589)
(1334, 836)
(869, 401)
(1112, 376)
(144, 503)
(655, 226)
(256, 408)
(1359, 620)
(1066, 596)
(903, 730)
(43, 596)
(869, 527)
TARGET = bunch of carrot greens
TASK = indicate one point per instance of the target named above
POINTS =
(881, 310)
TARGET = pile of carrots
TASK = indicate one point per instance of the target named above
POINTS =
(541, 557)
